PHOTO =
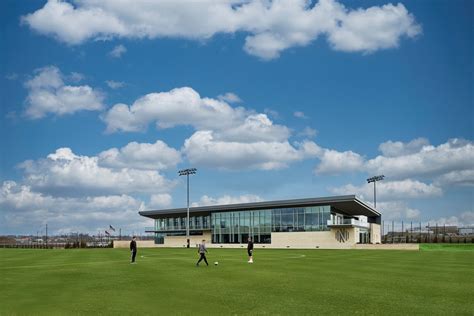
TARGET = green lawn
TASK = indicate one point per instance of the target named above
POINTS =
(447, 247)
(165, 281)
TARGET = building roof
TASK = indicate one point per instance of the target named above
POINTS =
(348, 204)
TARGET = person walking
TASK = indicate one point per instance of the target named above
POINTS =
(202, 252)
(133, 249)
(250, 250)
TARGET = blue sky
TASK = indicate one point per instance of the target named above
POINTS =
(313, 108)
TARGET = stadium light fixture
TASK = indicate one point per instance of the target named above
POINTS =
(374, 180)
(187, 172)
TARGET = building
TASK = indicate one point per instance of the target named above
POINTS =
(328, 223)
(468, 230)
(443, 229)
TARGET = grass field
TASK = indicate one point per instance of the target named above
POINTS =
(165, 281)
(447, 247)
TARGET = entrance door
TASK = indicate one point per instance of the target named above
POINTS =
(364, 237)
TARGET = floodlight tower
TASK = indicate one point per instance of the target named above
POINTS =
(187, 172)
(374, 180)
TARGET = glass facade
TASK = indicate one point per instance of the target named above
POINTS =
(179, 223)
(236, 227)
(176, 226)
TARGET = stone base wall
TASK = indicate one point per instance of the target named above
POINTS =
(181, 241)
(293, 240)
(314, 240)
(375, 234)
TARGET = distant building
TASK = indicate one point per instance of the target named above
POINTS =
(466, 230)
(329, 222)
(443, 229)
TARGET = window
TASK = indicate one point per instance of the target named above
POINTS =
(236, 227)
(176, 223)
(198, 222)
(299, 219)
(276, 220)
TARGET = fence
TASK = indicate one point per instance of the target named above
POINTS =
(65, 242)
(417, 232)
(32, 245)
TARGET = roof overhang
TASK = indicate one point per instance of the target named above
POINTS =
(347, 204)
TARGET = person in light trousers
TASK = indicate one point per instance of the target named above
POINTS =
(202, 250)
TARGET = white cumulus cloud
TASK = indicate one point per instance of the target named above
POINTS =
(397, 211)
(396, 149)
(184, 106)
(160, 200)
(144, 156)
(391, 190)
(372, 29)
(270, 26)
(227, 199)
(458, 177)
(48, 94)
(64, 173)
(180, 106)
(463, 219)
(449, 163)
(426, 160)
(203, 149)
(335, 162)
(225, 137)
(25, 211)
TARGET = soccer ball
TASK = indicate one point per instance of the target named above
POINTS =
(216, 263)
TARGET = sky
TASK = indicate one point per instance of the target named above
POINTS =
(102, 102)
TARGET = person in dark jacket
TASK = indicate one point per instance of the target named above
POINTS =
(133, 249)
(202, 252)
(250, 250)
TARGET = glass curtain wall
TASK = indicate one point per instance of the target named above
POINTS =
(236, 227)
(314, 218)
(176, 226)
(179, 223)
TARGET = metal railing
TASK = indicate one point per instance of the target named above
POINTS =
(348, 221)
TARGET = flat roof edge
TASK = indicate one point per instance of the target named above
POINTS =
(362, 203)
(264, 204)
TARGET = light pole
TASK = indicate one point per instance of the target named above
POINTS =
(187, 172)
(374, 180)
